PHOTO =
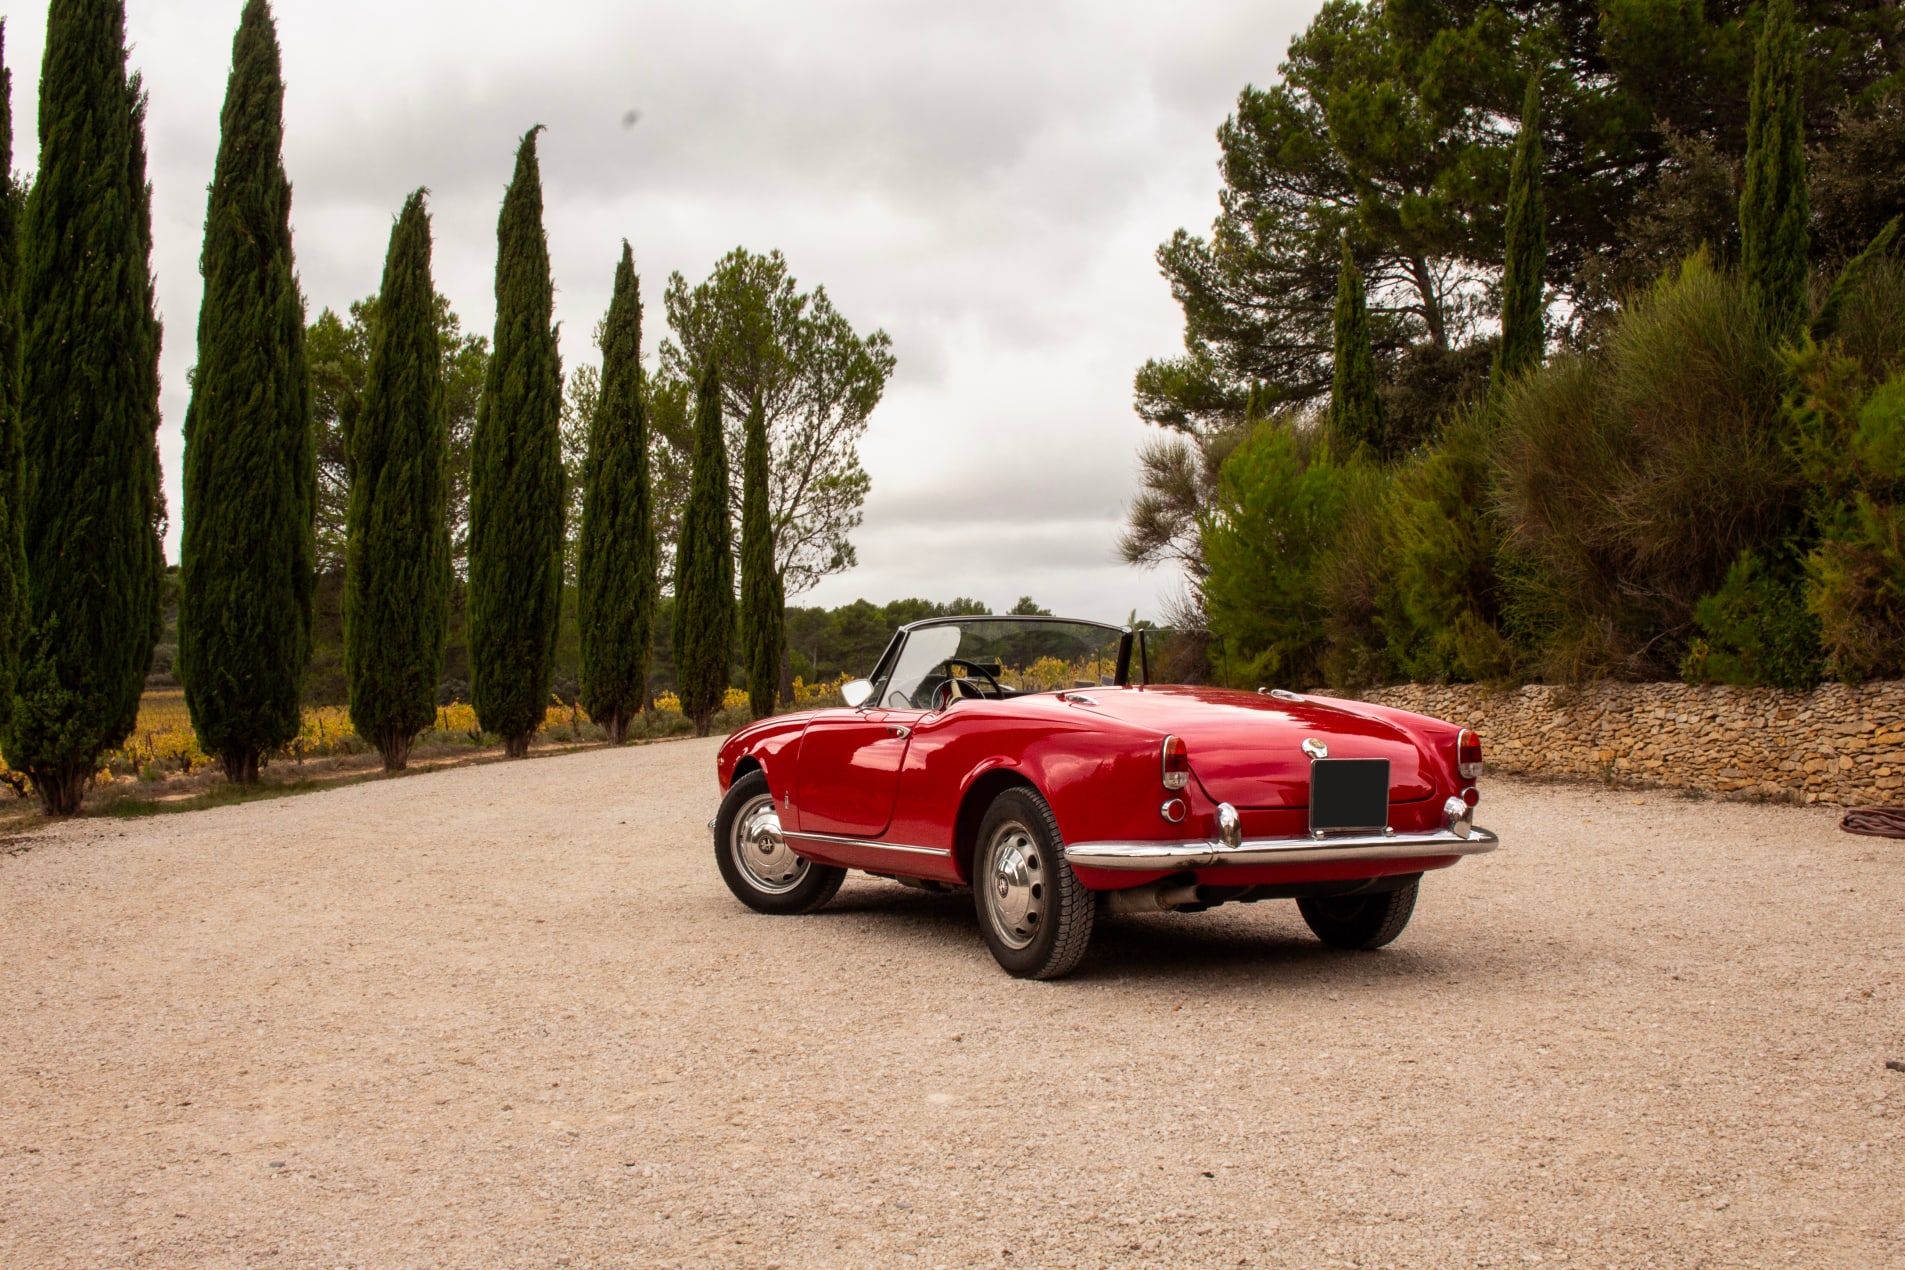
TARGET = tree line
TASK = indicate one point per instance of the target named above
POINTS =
(386, 465)
(1540, 341)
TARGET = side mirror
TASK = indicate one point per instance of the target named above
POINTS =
(855, 692)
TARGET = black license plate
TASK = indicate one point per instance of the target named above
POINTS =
(1348, 794)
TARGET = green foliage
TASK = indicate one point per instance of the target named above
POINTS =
(516, 480)
(1773, 209)
(338, 352)
(1355, 420)
(1279, 508)
(1524, 327)
(816, 381)
(1854, 279)
(397, 571)
(12, 457)
(1443, 541)
(616, 566)
(1633, 477)
(1353, 573)
(827, 643)
(704, 569)
(1850, 443)
(250, 467)
(1383, 121)
(1756, 629)
(762, 605)
(89, 412)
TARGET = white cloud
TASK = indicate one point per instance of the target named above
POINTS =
(987, 182)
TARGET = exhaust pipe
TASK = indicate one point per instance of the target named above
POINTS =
(1159, 897)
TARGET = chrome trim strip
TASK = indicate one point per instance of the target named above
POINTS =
(866, 842)
(1204, 854)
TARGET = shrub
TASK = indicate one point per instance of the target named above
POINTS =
(1633, 478)
(1850, 443)
(1280, 506)
(1757, 628)
(1442, 540)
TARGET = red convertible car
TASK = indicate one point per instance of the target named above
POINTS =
(1037, 761)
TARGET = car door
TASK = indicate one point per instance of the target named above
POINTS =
(850, 771)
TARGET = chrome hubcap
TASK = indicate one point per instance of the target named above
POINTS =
(763, 855)
(1015, 885)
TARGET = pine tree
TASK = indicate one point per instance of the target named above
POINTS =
(1524, 334)
(515, 594)
(615, 571)
(397, 541)
(763, 629)
(1773, 206)
(704, 569)
(246, 558)
(12, 547)
(89, 412)
(1355, 420)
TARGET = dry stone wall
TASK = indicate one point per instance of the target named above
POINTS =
(1836, 744)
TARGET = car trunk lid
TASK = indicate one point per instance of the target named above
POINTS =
(1247, 750)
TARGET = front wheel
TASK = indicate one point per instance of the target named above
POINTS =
(1361, 921)
(1035, 914)
(755, 861)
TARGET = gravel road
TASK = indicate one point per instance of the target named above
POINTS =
(507, 1015)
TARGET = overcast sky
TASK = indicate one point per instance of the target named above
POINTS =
(988, 182)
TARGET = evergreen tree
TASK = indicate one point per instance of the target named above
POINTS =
(1524, 336)
(89, 412)
(397, 542)
(763, 616)
(704, 569)
(516, 480)
(1773, 206)
(1355, 420)
(12, 548)
(615, 572)
(246, 567)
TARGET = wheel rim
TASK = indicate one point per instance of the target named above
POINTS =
(1014, 885)
(760, 852)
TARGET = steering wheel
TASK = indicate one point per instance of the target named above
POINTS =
(951, 688)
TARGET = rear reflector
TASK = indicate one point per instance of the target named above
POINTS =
(1177, 763)
(1468, 755)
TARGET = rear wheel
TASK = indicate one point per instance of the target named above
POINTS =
(755, 861)
(1034, 913)
(1361, 921)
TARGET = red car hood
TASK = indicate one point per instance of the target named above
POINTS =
(1246, 749)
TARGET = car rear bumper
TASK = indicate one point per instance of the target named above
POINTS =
(1211, 853)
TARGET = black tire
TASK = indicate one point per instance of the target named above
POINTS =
(1034, 913)
(759, 868)
(1361, 921)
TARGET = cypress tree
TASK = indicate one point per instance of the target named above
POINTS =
(762, 605)
(1355, 421)
(246, 558)
(89, 412)
(1773, 206)
(515, 591)
(615, 571)
(397, 541)
(12, 547)
(704, 569)
(1524, 337)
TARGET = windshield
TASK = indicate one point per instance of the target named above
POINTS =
(1000, 657)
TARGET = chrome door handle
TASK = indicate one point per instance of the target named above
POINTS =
(900, 730)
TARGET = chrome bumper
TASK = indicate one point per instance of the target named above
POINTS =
(1208, 854)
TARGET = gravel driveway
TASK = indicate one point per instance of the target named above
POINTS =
(507, 1015)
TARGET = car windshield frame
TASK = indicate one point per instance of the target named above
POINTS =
(883, 670)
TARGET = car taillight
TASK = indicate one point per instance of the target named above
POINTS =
(1177, 763)
(1468, 755)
